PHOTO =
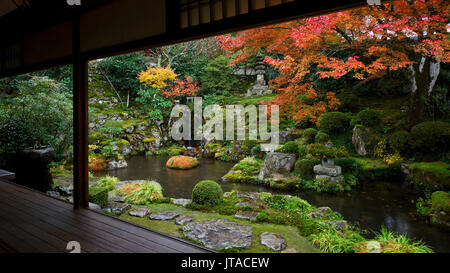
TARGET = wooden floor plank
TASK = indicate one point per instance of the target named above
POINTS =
(100, 228)
(173, 245)
(34, 222)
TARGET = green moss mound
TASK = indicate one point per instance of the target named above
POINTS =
(322, 137)
(334, 122)
(98, 196)
(309, 135)
(430, 176)
(440, 201)
(207, 192)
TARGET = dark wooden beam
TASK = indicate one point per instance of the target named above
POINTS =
(80, 121)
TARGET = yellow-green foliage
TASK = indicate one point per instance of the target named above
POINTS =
(245, 171)
(149, 140)
(141, 193)
(440, 201)
(107, 182)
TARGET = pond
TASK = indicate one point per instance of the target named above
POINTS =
(373, 204)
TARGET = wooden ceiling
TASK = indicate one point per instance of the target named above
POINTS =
(40, 34)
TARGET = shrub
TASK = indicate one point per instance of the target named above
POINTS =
(107, 182)
(430, 137)
(430, 176)
(290, 147)
(302, 151)
(97, 162)
(369, 118)
(207, 192)
(141, 193)
(348, 165)
(440, 201)
(399, 141)
(320, 151)
(304, 167)
(322, 137)
(98, 196)
(334, 122)
(39, 115)
(309, 135)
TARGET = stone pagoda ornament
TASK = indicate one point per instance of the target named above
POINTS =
(260, 87)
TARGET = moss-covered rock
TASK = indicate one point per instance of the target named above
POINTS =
(440, 201)
(182, 162)
(430, 176)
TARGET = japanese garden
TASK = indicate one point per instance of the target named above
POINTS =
(363, 161)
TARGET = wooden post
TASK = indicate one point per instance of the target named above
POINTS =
(80, 121)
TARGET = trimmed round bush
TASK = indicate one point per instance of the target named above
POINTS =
(290, 147)
(399, 141)
(207, 192)
(322, 137)
(440, 201)
(348, 165)
(369, 118)
(430, 137)
(304, 167)
(309, 135)
(334, 122)
(302, 151)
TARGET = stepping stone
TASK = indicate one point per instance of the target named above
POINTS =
(142, 212)
(183, 220)
(338, 225)
(273, 241)
(54, 194)
(168, 215)
(246, 215)
(248, 195)
(247, 204)
(93, 206)
(219, 233)
(290, 250)
(117, 208)
(183, 202)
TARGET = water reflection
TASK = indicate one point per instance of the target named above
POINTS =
(374, 204)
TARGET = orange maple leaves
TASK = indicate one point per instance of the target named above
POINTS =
(382, 38)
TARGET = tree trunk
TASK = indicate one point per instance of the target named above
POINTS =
(423, 77)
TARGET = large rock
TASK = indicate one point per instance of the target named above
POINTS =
(167, 215)
(320, 212)
(338, 224)
(219, 233)
(141, 212)
(113, 165)
(330, 171)
(182, 162)
(181, 201)
(360, 139)
(277, 163)
(273, 241)
(183, 220)
(246, 215)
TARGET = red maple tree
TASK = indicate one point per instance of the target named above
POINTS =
(401, 34)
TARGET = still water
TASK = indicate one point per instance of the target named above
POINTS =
(372, 205)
